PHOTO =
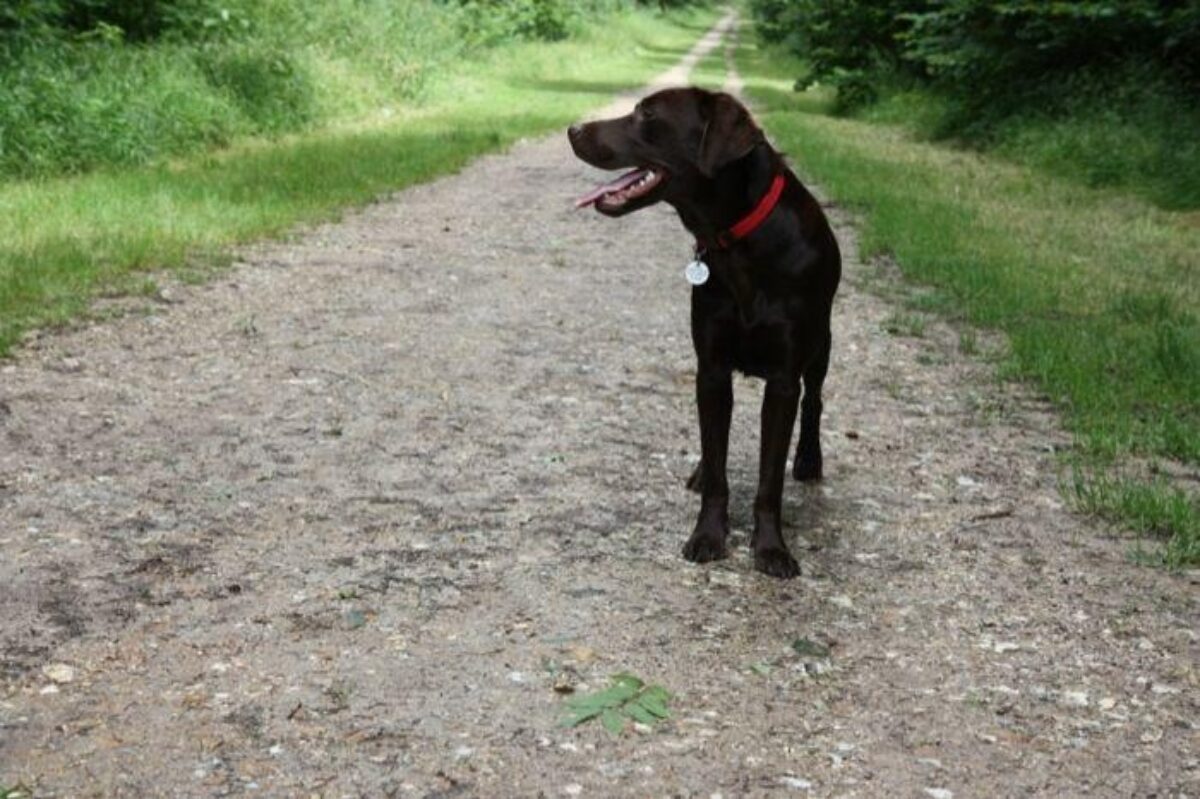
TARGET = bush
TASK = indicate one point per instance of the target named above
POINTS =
(269, 86)
(1001, 51)
(73, 100)
(846, 44)
(985, 51)
(485, 22)
(1107, 91)
(136, 20)
(70, 109)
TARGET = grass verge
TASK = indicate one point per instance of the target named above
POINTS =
(1097, 292)
(64, 241)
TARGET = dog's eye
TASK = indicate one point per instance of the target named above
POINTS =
(646, 113)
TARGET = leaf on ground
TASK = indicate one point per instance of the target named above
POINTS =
(654, 705)
(640, 714)
(762, 668)
(614, 696)
(628, 680)
(613, 721)
(806, 647)
(579, 717)
(627, 698)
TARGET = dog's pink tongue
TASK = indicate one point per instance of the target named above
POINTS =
(628, 179)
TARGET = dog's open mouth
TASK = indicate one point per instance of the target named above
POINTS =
(617, 193)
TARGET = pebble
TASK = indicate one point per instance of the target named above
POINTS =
(939, 793)
(574, 789)
(798, 783)
(59, 672)
(1075, 698)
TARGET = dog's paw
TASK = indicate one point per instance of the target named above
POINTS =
(693, 482)
(703, 548)
(776, 563)
(807, 471)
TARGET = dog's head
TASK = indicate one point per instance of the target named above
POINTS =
(675, 140)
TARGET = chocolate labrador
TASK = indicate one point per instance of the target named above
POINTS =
(764, 274)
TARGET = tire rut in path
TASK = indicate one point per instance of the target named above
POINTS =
(337, 523)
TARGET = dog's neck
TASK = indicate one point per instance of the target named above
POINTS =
(731, 194)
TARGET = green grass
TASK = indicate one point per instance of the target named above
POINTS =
(64, 241)
(905, 323)
(1152, 506)
(1097, 292)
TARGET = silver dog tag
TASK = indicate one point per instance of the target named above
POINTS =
(696, 272)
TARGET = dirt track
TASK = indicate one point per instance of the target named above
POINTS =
(336, 524)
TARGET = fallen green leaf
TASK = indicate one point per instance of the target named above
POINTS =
(628, 680)
(627, 698)
(640, 714)
(613, 721)
(655, 705)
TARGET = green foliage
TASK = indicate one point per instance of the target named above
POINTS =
(986, 50)
(72, 108)
(1103, 91)
(268, 85)
(489, 21)
(628, 698)
(844, 43)
(998, 51)
(92, 83)
(134, 20)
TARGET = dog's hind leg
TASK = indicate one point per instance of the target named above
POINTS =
(807, 464)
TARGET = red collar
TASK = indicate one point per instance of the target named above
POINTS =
(751, 221)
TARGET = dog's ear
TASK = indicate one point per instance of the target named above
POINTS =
(729, 134)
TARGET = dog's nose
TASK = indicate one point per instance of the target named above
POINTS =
(574, 131)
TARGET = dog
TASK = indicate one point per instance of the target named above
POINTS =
(765, 272)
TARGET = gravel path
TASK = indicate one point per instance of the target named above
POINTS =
(337, 523)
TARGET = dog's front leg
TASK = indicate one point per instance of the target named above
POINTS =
(714, 399)
(771, 555)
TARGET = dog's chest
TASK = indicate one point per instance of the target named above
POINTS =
(751, 317)
(759, 349)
